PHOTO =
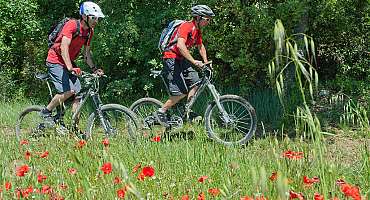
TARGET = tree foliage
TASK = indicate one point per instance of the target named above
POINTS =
(239, 40)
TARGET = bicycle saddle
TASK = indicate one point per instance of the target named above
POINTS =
(42, 76)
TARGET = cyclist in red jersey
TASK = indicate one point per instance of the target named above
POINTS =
(182, 79)
(61, 56)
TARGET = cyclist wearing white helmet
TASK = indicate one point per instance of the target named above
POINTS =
(66, 48)
(183, 80)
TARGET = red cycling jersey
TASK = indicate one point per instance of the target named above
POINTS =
(190, 33)
(54, 53)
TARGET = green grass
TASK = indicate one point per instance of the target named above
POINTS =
(179, 162)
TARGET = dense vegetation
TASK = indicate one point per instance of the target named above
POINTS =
(328, 157)
(239, 40)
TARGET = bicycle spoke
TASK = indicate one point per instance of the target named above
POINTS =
(239, 124)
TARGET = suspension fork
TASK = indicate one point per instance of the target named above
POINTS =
(216, 97)
(98, 105)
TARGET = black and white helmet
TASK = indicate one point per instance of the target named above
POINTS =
(202, 11)
(90, 8)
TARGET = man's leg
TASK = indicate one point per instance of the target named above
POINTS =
(192, 93)
(78, 132)
(171, 102)
(172, 72)
(64, 83)
(58, 100)
(192, 81)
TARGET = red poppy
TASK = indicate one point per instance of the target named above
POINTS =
(293, 155)
(23, 142)
(201, 196)
(63, 186)
(147, 171)
(121, 193)
(26, 192)
(107, 168)
(22, 170)
(136, 168)
(156, 138)
(117, 180)
(41, 178)
(27, 155)
(261, 197)
(105, 142)
(46, 189)
(185, 197)
(273, 176)
(309, 181)
(8, 186)
(81, 143)
(351, 191)
(44, 155)
(294, 195)
(29, 189)
(318, 196)
(72, 171)
(214, 191)
(202, 179)
(246, 198)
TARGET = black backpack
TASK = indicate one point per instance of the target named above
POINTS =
(56, 28)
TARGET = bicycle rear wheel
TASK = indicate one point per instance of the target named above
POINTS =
(30, 125)
(237, 127)
(119, 121)
(145, 108)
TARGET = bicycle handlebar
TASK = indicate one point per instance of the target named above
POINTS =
(85, 74)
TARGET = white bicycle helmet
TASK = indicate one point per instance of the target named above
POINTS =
(202, 11)
(89, 8)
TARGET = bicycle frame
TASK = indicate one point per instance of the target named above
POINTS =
(93, 93)
(205, 83)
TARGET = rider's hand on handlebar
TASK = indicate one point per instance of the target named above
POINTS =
(76, 71)
(99, 72)
(209, 63)
(198, 63)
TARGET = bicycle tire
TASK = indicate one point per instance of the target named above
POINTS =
(18, 127)
(145, 113)
(244, 104)
(129, 116)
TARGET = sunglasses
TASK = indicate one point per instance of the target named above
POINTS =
(206, 19)
(92, 17)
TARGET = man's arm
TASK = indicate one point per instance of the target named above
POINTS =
(88, 58)
(64, 46)
(203, 52)
(185, 52)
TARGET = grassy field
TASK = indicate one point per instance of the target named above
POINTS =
(182, 166)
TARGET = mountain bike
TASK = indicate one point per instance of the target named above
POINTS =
(229, 119)
(106, 120)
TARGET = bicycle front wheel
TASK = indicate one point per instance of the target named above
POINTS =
(116, 120)
(235, 125)
(29, 124)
